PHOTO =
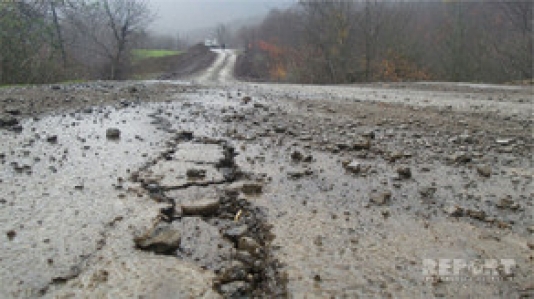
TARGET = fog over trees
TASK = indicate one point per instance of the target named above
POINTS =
(362, 41)
(50, 40)
(310, 42)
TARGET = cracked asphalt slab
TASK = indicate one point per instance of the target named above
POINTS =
(295, 191)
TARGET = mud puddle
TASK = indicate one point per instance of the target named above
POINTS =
(267, 194)
(209, 220)
(63, 181)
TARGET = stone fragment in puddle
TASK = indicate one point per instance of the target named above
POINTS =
(202, 207)
(164, 239)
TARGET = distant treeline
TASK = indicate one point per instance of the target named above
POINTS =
(52, 40)
(362, 41)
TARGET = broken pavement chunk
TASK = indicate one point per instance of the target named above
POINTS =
(202, 207)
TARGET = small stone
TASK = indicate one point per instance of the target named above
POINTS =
(504, 141)
(248, 188)
(484, 170)
(308, 159)
(380, 198)
(427, 192)
(354, 166)
(162, 240)
(454, 211)
(153, 188)
(466, 138)
(11, 234)
(396, 155)
(235, 289)
(185, 135)
(369, 134)
(233, 271)
(7, 121)
(252, 188)
(235, 233)
(505, 203)
(113, 133)
(404, 172)
(460, 157)
(245, 257)
(194, 173)
(295, 174)
(246, 100)
(280, 129)
(297, 156)
(12, 111)
(476, 214)
(362, 144)
(248, 244)
(52, 139)
(203, 207)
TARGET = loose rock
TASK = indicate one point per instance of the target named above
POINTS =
(248, 244)
(427, 192)
(484, 170)
(248, 188)
(454, 211)
(203, 207)
(380, 198)
(404, 172)
(246, 100)
(235, 289)
(113, 133)
(52, 139)
(7, 121)
(297, 156)
(162, 240)
(236, 232)
(194, 173)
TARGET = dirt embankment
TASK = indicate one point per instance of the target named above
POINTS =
(196, 59)
(251, 67)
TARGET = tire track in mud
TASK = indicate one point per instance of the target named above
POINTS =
(217, 72)
(221, 71)
(242, 258)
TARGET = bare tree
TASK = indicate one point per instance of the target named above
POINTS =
(328, 29)
(104, 30)
(223, 34)
(28, 52)
(518, 49)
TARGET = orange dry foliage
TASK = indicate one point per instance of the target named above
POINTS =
(277, 68)
(396, 67)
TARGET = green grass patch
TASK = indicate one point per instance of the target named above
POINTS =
(14, 85)
(140, 54)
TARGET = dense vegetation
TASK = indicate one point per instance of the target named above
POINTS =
(53, 40)
(362, 41)
(140, 54)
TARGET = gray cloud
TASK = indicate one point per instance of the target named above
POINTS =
(178, 16)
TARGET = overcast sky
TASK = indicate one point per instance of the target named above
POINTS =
(179, 16)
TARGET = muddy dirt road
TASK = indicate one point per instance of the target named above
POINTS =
(214, 188)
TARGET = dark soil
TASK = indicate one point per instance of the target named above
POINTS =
(251, 66)
(196, 59)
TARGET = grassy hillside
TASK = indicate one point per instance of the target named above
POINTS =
(164, 64)
(140, 54)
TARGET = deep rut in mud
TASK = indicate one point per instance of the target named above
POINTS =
(217, 227)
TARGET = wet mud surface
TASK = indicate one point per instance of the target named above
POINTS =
(152, 189)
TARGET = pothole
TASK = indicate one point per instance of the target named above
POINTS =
(209, 220)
